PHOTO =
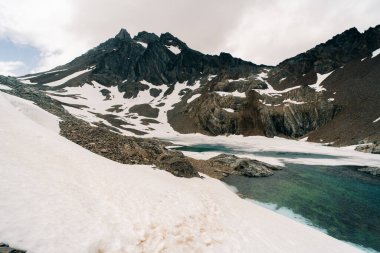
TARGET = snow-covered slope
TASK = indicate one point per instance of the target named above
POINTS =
(58, 197)
(88, 103)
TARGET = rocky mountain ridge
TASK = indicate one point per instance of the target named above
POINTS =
(326, 57)
(165, 84)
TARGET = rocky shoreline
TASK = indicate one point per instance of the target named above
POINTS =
(132, 150)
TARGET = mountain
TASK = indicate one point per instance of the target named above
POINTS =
(156, 85)
(329, 93)
(125, 62)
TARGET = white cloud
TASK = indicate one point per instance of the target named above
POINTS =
(261, 31)
(275, 30)
(10, 68)
(42, 24)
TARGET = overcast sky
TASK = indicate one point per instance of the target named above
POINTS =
(41, 34)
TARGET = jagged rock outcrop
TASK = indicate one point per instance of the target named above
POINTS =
(244, 166)
(271, 116)
(224, 165)
(124, 61)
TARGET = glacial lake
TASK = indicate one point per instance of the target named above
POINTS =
(338, 200)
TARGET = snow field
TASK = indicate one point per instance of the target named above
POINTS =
(58, 197)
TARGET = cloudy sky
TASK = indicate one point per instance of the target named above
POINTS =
(38, 35)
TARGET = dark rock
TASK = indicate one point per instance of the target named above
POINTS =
(145, 110)
(155, 92)
(123, 35)
(149, 121)
(178, 165)
(106, 93)
(146, 37)
(244, 166)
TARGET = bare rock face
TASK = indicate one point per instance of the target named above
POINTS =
(177, 164)
(308, 112)
(255, 114)
(145, 110)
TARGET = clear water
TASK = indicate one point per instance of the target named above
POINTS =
(337, 199)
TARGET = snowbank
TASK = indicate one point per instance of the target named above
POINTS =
(252, 146)
(58, 197)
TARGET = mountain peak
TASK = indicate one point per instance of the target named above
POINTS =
(123, 35)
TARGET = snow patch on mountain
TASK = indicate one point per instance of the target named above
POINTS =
(320, 78)
(262, 76)
(375, 53)
(145, 45)
(210, 77)
(228, 110)
(88, 103)
(174, 49)
(270, 91)
(237, 80)
(4, 87)
(193, 98)
(68, 78)
(235, 94)
(290, 101)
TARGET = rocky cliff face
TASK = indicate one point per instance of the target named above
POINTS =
(293, 114)
(327, 93)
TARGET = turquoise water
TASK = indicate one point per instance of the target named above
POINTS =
(338, 199)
